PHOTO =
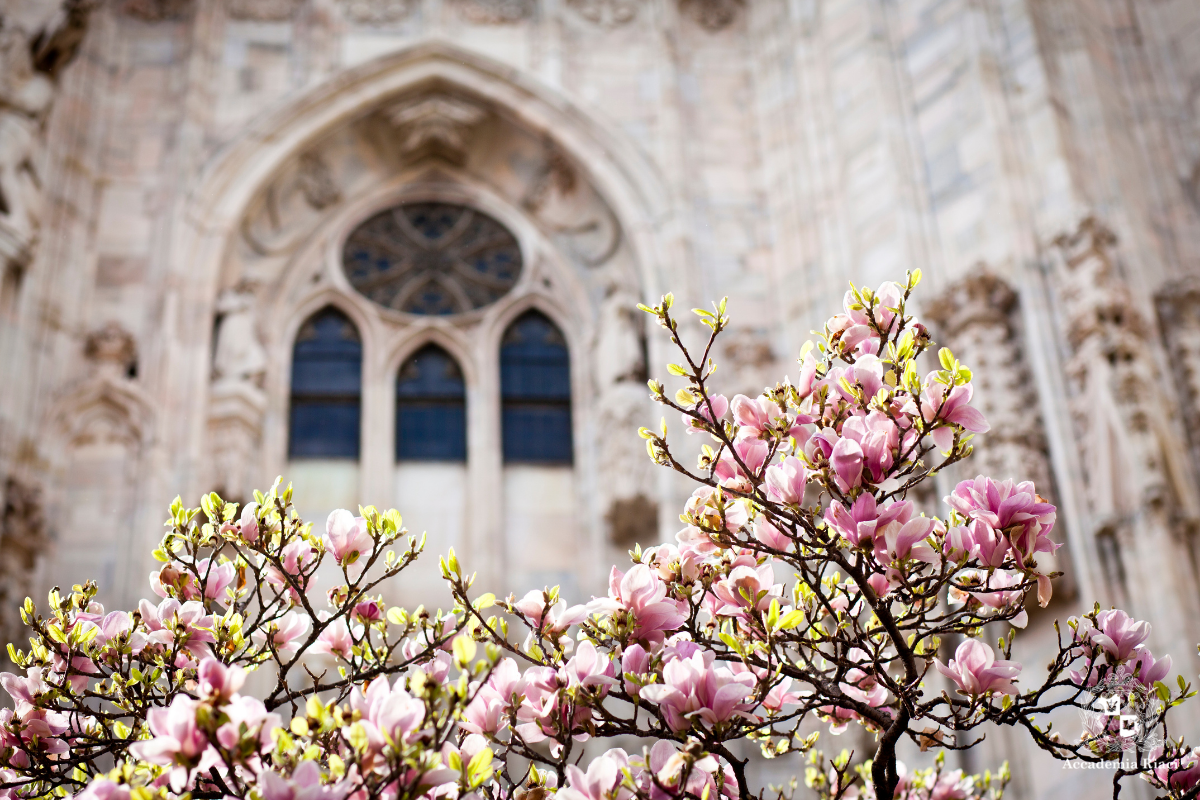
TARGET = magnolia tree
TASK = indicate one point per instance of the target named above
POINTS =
(805, 593)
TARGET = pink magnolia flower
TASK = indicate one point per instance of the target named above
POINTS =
(640, 592)
(861, 523)
(770, 535)
(104, 789)
(746, 588)
(878, 437)
(846, 460)
(247, 714)
(720, 404)
(939, 406)
(786, 481)
(1147, 668)
(693, 689)
(551, 621)
(295, 557)
(703, 507)
(754, 416)
(1180, 774)
(634, 661)
(286, 633)
(389, 713)
(589, 669)
(178, 741)
(753, 454)
(347, 538)
(215, 680)
(1014, 508)
(305, 784)
(187, 625)
(779, 696)
(602, 781)
(975, 670)
(1116, 633)
(901, 542)
(334, 640)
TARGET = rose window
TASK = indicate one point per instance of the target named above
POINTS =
(432, 258)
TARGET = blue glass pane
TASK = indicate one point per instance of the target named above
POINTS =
(431, 412)
(537, 433)
(324, 419)
(431, 431)
(323, 429)
(534, 362)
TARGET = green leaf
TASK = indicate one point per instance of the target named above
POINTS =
(946, 358)
(791, 620)
(464, 649)
(675, 369)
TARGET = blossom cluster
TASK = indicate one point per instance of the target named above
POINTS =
(812, 584)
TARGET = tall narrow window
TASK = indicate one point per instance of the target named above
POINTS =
(535, 390)
(431, 408)
(326, 388)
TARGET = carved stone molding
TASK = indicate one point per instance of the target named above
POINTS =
(712, 15)
(976, 317)
(22, 541)
(496, 12)
(1178, 306)
(376, 12)
(1138, 480)
(157, 10)
(262, 10)
(235, 422)
(438, 125)
(286, 212)
(607, 13)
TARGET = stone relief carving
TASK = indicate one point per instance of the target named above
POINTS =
(25, 98)
(1137, 478)
(112, 351)
(620, 378)
(496, 12)
(239, 356)
(712, 15)
(237, 400)
(608, 13)
(286, 212)
(29, 62)
(157, 10)
(438, 125)
(262, 10)
(620, 341)
(976, 318)
(748, 360)
(107, 406)
(581, 221)
(22, 540)
(1179, 314)
(376, 12)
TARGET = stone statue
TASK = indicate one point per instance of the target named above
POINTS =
(25, 98)
(239, 356)
(31, 56)
(619, 349)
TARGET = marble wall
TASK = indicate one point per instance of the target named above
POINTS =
(177, 178)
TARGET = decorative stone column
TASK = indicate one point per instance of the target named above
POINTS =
(977, 319)
(237, 399)
(22, 540)
(1139, 490)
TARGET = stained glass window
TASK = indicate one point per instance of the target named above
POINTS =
(535, 391)
(325, 411)
(432, 258)
(431, 408)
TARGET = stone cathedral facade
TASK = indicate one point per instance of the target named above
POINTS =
(390, 249)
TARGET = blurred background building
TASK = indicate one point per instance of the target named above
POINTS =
(389, 249)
